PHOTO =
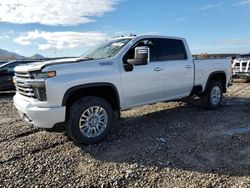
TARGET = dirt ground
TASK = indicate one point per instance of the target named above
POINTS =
(175, 144)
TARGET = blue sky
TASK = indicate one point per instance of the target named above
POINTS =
(56, 28)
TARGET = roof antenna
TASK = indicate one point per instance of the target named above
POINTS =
(132, 35)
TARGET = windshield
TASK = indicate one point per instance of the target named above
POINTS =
(105, 50)
(245, 56)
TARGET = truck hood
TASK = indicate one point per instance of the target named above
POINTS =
(242, 59)
(39, 65)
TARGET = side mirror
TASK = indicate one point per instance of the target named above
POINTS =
(141, 56)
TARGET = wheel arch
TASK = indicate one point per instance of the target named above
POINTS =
(104, 90)
(218, 76)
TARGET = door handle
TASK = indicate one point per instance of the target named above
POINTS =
(188, 66)
(158, 69)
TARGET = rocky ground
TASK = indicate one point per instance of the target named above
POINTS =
(175, 144)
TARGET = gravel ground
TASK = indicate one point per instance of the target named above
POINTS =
(175, 144)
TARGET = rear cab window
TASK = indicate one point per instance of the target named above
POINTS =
(170, 49)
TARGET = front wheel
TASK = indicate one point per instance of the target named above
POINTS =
(212, 97)
(89, 120)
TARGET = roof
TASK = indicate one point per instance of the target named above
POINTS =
(146, 36)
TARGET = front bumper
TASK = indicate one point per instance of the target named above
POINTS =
(42, 117)
(241, 75)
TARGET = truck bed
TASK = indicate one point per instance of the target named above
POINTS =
(203, 68)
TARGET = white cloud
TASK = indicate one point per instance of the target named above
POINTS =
(17, 50)
(53, 12)
(179, 19)
(4, 37)
(212, 6)
(60, 40)
(22, 41)
(244, 2)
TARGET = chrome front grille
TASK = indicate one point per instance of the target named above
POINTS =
(241, 66)
(21, 79)
(23, 75)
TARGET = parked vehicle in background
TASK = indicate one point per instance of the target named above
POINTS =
(7, 73)
(88, 92)
(241, 67)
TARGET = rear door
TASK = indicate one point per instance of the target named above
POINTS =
(179, 68)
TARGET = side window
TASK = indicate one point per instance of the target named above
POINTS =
(151, 43)
(160, 50)
(172, 49)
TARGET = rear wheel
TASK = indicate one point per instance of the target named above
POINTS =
(89, 121)
(212, 97)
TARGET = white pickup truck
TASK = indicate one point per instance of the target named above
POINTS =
(88, 92)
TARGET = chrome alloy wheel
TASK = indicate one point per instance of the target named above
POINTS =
(215, 95)
(93, 121)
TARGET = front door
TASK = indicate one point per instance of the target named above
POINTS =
(144, 83)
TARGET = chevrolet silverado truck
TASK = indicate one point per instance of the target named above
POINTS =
(241, 67)
(86, 94)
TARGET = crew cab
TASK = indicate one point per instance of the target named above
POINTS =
(241, 67)
(88, 92)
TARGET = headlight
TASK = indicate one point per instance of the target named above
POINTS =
(41, 75)
(38, 83)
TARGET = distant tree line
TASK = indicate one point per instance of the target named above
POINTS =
(208, 56)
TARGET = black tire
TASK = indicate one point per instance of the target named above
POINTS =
(206, 100)
(74, 114)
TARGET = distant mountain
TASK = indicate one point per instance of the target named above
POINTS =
(37, 56)
(6, 55)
